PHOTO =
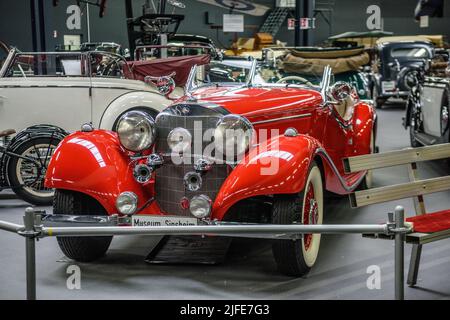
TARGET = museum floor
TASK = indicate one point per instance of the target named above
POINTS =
(249, 271)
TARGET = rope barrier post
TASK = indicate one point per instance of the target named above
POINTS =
(399, 253)
(30, 247)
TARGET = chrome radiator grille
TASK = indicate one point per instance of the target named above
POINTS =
(170, 189)
(169, 184)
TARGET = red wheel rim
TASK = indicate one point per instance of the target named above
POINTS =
(310, 214)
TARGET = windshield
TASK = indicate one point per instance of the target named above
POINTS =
(229, 72)
(64, 64)
(409, 53)
(47, 65)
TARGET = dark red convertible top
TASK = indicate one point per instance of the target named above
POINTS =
(163, 67)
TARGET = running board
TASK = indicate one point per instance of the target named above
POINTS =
(189, 250)
(426, 139)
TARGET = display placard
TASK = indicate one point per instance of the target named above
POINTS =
(307, 23)
(291, 24)
(424, 22)
(233, 23)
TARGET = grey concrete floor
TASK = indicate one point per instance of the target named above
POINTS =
(249, 271)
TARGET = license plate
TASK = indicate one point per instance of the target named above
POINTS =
(160, 221)
(388, 85)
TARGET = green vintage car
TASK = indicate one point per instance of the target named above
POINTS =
(305, 64)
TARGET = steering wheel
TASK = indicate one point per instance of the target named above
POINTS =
(294, 78)
(107, 69)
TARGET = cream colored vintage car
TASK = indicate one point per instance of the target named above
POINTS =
(68, 89)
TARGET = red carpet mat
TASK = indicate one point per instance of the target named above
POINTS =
(431, 222)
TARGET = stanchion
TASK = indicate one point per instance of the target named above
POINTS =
(399, 253)
(30, 247)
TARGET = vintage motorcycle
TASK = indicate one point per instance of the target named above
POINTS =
(24, 159)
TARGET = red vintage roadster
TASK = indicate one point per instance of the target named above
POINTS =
(229, 151)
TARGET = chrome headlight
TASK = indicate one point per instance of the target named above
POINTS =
(126, 202)
(233, 135)
(136, 131)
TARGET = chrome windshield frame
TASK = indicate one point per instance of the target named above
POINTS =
(325, 83)
(82, 54)
(190, 85)
(252, 73)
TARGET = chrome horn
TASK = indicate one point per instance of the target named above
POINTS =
(340, 91)
(164, 84)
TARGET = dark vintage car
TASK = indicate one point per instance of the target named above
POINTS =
(428, 105)
(396, 60)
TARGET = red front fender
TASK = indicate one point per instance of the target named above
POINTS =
(95, 164)
(364, 119)
(278, 167)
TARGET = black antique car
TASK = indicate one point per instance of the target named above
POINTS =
(396, 60)
(427, 112)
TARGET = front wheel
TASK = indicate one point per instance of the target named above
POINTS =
(26, 174)
(297, 257)
(82, 249)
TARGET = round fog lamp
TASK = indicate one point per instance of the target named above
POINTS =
(200, 206)
(126, 202)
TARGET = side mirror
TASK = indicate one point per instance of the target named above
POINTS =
(164, 84)
(340, 91)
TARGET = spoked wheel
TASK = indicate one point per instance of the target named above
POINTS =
(26, 174)
(296, 258)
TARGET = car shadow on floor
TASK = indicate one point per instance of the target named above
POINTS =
(249, 269)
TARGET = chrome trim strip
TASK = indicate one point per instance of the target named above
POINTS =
(336, 171)
(305, 115)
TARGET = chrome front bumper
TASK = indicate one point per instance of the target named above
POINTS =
(76, 226)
